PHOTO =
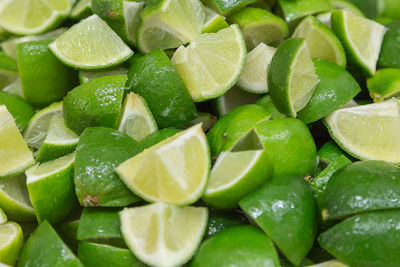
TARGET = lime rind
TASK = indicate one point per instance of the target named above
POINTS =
(11, 241)
(82, 9)
(385, 84)
(214, 21)
(86, 76)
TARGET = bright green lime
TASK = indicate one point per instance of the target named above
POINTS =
(385, 84)
(295, 10)
(18, 107)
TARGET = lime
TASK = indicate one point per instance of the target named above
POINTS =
(329, 94)
(233, 126)
(212, 63)
(15, 156)
(285, 209)
(207, 121)
(325, 18)
(291, 76)
(390, 45)
(321, 41)
(266, 103)
(99, 152)
(346, 5)
(289, 145)
(237, 246)
(362, 39)
(8, 70)
(214, 21)
(86, 75)
(368, 132)
(219, 220)
(123, 16)
(36, 131)
(238, 172)
(98, 255)
(42, 15)
(11, 239)
(227, 7)
(15, 88)
(330, 152)
(90, 44)
(260, 26)
(136, 118)
(18, 107)
(355, 240)
(10, 46)
(392, 9)
(254, 76)
(3, 217)
(14, 199)
(163, 235)
(157, 137)
(385, 84)
(167, 96)
(95, 103)
(45, 248)
(170, 23)
(371, 8)
(81, 10)
(232, 99)
(67, 231)
(180, 181)
(295, 10)
(360, 187)
(59, 141)
(55, 78)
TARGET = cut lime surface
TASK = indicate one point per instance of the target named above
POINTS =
(11, 239)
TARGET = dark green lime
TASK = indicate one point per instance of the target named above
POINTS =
(390, 56)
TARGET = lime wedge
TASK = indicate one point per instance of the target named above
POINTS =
(174, 171)
(11, 240)
(212, 63)
(136, 119)
(214, 21)
(90, 44)
(14, 199)
(163, 235)
(43, 15)
(362, 39)
(36, 131)
(15, 156)
(170, 23)
(254, 76)
(368, 132)
(86, 76)
(3, 217)
(8, 70)
(385, 84)
(60, 140)
(232, 99)
(291, 76)
(82, 9)
(321, 41)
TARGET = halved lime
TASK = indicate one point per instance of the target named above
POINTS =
(86, 75)
(212, 63)
(43, 15)
(15, 156)
(90, 44)
(174, 171)
(254, 76)
(321, 41)
(214, 21)
(11, 240)
(163, 235)
(385, 84)
(362, 39)
(136, 120)
(36, 131)
(170, 23)
(291, 76)
(368, 132)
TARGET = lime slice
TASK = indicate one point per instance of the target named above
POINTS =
(238, 172)
(163, 235)
(86, 76)
(36, 131)
(10, 46)
(8, 70)
(368, 131)
(385, 84)
(179, 181)
(19, 109)
(15, 88)
(291, 76)
(15, 156)
(14, 199)
(214, 21)
(321, 41)
(60, 140)
(3, 217)
(43, 15)
(170, 23)
(90, 44)
(226, 8)
(362, 39)
(82, 9)
(123, 16)
(260, 26)
(136, 119)
(254, 76)
(11, 240)
(51, 189)
(212, 63)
